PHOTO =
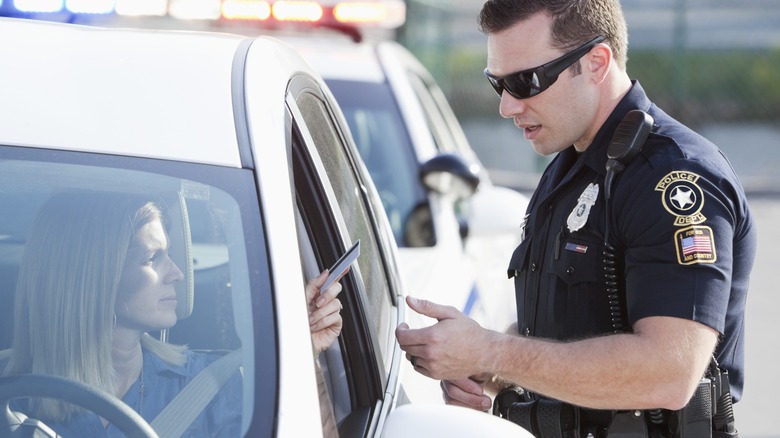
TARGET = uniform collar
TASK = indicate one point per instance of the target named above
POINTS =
(560, 171)
(595, 156)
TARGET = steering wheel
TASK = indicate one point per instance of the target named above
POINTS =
(103, 404)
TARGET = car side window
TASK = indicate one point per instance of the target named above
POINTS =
(384, 144)
(349, 192)
(433, 116)
(69, 240)
(333, 214)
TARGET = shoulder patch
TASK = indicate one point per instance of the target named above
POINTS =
(695, 244)
(682, 197)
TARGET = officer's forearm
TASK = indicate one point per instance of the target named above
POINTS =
(498, 383)
(658, 366)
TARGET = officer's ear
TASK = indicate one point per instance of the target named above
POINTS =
(598, 62)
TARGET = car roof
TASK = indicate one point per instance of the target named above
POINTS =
(162, 73)
(339, 57)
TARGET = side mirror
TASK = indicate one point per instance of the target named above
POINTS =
(426, 420)
(450, 174)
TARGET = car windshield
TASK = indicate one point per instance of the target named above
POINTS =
(384, 145)
(81, 262)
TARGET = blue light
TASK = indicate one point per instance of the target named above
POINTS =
(38, 5)
(90, 6)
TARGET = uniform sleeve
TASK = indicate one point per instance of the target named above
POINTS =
(676, 219)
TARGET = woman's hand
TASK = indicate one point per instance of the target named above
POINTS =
(324, 311)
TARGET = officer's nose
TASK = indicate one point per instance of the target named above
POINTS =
(509, 106)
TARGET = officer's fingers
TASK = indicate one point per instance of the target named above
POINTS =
(481, 378)
(409, 339)
(465, 392)
(431, 309)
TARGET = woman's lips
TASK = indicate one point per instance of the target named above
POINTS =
(169, 301)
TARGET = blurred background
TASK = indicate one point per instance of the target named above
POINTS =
(712, 64)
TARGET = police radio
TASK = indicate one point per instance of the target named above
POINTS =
(627, 141)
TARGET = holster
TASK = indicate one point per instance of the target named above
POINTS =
(544, 418)
(708, 414)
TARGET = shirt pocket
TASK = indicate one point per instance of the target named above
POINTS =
(578, 263)
(519, 261)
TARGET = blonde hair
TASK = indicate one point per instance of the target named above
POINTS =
(67, 287)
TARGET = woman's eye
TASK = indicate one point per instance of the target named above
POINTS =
(151, 260)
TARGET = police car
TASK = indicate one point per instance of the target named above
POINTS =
(454, 229)
(247, 144)
(455, 232)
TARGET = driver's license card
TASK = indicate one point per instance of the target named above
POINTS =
(337, 270)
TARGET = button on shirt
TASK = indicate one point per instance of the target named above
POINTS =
(683, 237)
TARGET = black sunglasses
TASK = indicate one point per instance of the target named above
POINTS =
(528, 83)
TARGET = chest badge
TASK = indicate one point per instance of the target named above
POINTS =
(579, 215)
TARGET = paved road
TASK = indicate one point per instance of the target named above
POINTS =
(756, 413)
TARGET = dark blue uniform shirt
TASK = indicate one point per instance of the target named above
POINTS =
(683, 236)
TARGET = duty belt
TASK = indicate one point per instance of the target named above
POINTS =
(708, 414)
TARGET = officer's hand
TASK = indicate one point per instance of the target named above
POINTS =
(450, 349)
(468, 393)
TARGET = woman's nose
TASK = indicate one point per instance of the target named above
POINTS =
(174, 273)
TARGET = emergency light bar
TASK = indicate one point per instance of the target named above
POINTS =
(90, 6)
(387, 14)
(246, 10)
(297, 11)
(70, 6)
(42, 6)
(139, 8)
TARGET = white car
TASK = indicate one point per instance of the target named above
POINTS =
(456, 233)
(247, 145)
(455, 230)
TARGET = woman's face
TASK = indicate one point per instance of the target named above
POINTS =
(146, 299)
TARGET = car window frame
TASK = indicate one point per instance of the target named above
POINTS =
(366, 377)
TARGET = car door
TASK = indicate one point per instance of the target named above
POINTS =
(338, 205)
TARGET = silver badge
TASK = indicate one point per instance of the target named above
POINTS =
(579, 215)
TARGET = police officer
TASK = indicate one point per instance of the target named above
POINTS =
(681, 239)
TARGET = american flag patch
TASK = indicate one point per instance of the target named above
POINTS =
(582, 249)
(695, 244)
